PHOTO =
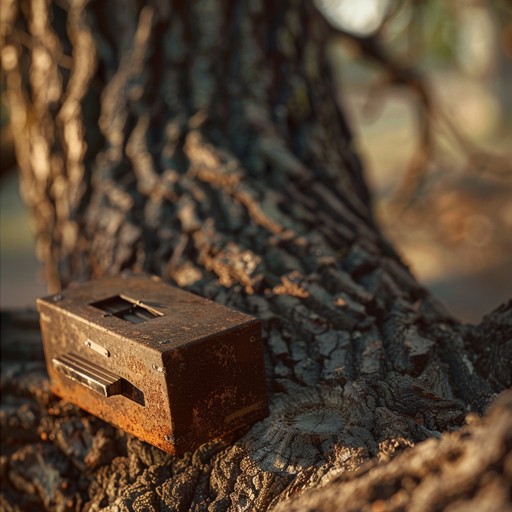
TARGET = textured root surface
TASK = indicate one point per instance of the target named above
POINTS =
(470, 469)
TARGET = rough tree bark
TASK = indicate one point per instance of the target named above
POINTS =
(202, 141)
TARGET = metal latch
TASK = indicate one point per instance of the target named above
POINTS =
(89, 374)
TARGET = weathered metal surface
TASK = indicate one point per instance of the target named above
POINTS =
(166, 365)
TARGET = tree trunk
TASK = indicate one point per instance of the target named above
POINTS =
(201, 141)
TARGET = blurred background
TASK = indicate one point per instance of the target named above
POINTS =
(427, 86)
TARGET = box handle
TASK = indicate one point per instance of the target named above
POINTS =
(88, 374)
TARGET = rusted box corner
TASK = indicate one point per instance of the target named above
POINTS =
(166, 365)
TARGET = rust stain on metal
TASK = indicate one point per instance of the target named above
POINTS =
(168, 366)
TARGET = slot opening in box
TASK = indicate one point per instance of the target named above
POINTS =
(127, 309)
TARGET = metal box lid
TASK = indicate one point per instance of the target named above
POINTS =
(146, 310)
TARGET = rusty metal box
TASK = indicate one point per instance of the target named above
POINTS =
(168, 366)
